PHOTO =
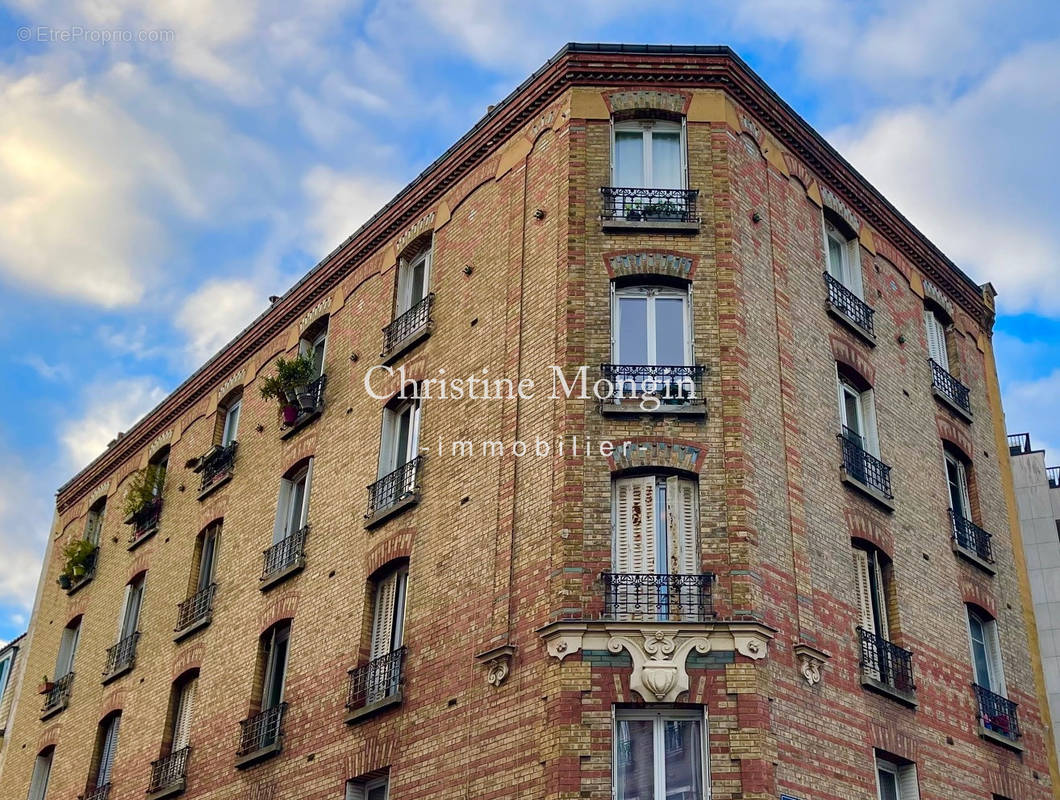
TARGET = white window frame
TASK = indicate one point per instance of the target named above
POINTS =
(659, 718)
(406, 266)
(935, 330)
(183, 709)
(42, 769)
(279, 632)
(208, 566)
(231, 423)
(905, 779)
(94, 521)
(645, 127)
(866, 410)
(108, 749)
(995, 666)
(872, 592)
(7, 663)
(135, 586)
(666, 510)
(319, 343)
(70, 637)
(360, 789)
(388, 444)
(651, 293)
(848, 271)
(392, 637)
(961, 469)
(285, 525)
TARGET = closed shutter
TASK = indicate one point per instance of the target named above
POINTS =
(864, 590)
(383, 616)
(64, 663)
(881, 597)
(354, 790)
(936, 337)
(305, 498)
(907, 783)
(283, 504)
(993, 654)
(682, 523)
(182, 716)
(635, 551)
(42, 768)
(106, 756)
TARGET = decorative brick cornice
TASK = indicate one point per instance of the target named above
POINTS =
(636, 452)
(623, 263)
(648, 100)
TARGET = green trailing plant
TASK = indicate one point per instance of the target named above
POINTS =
(143, 489)
(291, 375)
(77, 556)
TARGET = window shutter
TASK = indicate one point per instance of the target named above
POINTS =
(38, 786)
(110, 745)
(182, 719)
(936, 337)
(881, 597)
(305, 499)
(682, 520)
(993, 654)
(864, 590)
(962, 478)
(355, 790)
(383, 616)
(907, 783)
(612, 179)
(283, 503)
(635, 525)
(614, 324)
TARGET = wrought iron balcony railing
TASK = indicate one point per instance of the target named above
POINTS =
(196, 608)
(97, 792)
(1052, 474)
(672, 597)
(1019, 444)
(169, 771)
(402, 483)
(631, 204)
(671, 385)
(850, 305)
(285, 553)
(122, 656)
(377, 680)
(407, 325)
(217, 465)
(59, 695)
(262, 730)
(145, 521)
(971, 537)
(886, 663)
(862, 466)
(998, 714)
(310, 402)
(949, 387)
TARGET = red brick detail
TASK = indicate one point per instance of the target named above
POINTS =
(49, 736)
(113, 701)
(862, 526)
(189, 659)
(846, 352)
(950, 431)
(653, 262)
(374, 754)
(266, 790)
(283, 607)
(647, 451)
(977, 591)
(301, 450)
(798, 170)
(397, 545)
(648, 100)
(139, 566)
(213, 510)
(888, 251)
(888, 738)
(388, 383)
(77, 609)
(483, 173)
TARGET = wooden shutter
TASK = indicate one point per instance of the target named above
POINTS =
(67, 647)
(42, 768)
(354, 790)
(182, 716)
(383, 616)
(881, 596)
(682, 526)
(864, 591)
(305, 497)
(993, 657)
(962, 479)
(907, 783)
(936, 337)
(283, 509)
(106, 756)
(634, 538)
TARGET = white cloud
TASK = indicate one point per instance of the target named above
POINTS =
(340, 203)
(217, 311)
(111, 406)
(1030, 406)
(50, 372)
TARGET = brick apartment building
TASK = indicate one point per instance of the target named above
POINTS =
(797, 574)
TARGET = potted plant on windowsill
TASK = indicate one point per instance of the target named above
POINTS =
(145, 490)
(45, 686)
(78, 556)
(289, 384)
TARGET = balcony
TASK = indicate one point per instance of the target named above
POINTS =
(887, 668)
(97, 792)
(654, 389)
(57, 697)
(1019, 444)
(260, 736)
(1052, 475)
(216, 468)
(658, 598)
(376, 685)
(972, 542)
(864, 471)
(284, 559)
(850, 309)
(74, 576)
(641, 209)
(169, 774)
(407, 330)
(393, 492)
(194, 613)
(121, 657)
(144, 523)
(310, 405)
(998, 718)
(950, 392)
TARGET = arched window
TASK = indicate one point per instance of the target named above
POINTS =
(94, 521)
(42, 768)
(884, 665)
(399, 443)
(312, 345)
(842, 253)
(169, 772)
(857, 410)
(194, 612)
(228, 412)
(122, 656)
(159, 462)
(413, 275)
(103, 755)
(64, 661)
(291, 527)
(987, 667)
(262, 733)
(936, 323)
(651, 325)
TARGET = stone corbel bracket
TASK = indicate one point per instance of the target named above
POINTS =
(810, 661)
(659, 650)
(498, 661)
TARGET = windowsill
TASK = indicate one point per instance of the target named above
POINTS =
(301, 422)
(143, 537)
(173, 789)
(280, 576)
(217, 484)
(353, 715)
(51, 712)
(905, 698)
(117, 673)
(392, 510)
(640, 226)
(254, 756)
(188, 630)
(84, 581)
(839, 316)
(952, 406)
(873, 494)
(406, 344)
(999, 738)
(974, 558)
(632, 408)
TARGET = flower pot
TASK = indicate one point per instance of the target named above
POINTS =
(633, 216)
(45, 686)
(65, 582)
(290, 414)
(306, 399)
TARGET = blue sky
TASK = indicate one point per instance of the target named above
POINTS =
(154, 194)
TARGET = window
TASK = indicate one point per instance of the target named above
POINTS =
(42, 768)
(292, 511)
(895, 781)
(160, 462)
(64, 662)
(106, 747)
(400, 438)
(413, 278)
(6, 662)
(94, 521)
(842, 256)
(274, 646)
(182, 709)
(230, 423)
(374, 789)
(388, 613)
(857, 414)
(312, 345)
(935, 324)
(651, 325)
(869, 569)
(660, 755)
(957, 484)
(130, 612)
(986, 652)
(648, 154)
(207, 555)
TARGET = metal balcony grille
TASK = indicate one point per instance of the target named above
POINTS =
(948, 386)
(997, 713)
(971, 537)
(407, 324)
(310, 402)
(1052, 474)
(684, 598)
(217, 464)
(261, 730)
(285, 553)
(59, 694)
(195, 608)
(849, 304)
(169, 770)
(122, 655)
(672, 385)
(395, 486)
(145, 520)
(97, 792)
(649, 205)
(886, 662)
(1019, 444)
(377, 680)
(862, 466)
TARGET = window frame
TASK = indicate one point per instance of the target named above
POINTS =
(388, 447)
(38, 784)
(935, 326)
(7, 663)
(646, 126)
(106, 748)
(395, 636)
(283, 525)
(904, 774)
(960, 467)
(278, 633)
(94, 522)
(134, 587)
(992, 656)
(866, 410)
(360, 789)
(651, 292)
(230, 426)
(871, 585)
(68, 643)
(180, 729)
(660, 716)
(403, 298)
(664, 507)
(314, 341)
(849, 271)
